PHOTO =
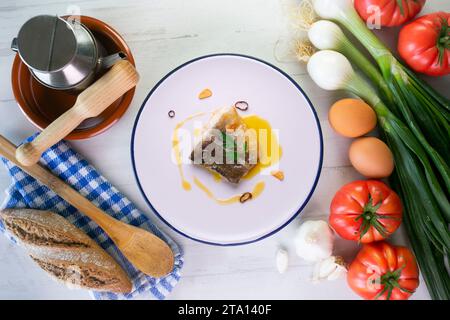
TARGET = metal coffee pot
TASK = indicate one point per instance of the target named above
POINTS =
(61, 54)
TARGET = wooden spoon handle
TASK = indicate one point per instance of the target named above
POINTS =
(7, 150)
(90, 103)
(144, 250)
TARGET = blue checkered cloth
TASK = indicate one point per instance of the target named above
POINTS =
(26, 192)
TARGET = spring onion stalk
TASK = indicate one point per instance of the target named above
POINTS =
(417, 181)
(327, 35)
(434, 272)
(425, 111)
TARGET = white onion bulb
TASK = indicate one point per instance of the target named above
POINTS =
(330, 70)
(332, 9)
(326, 35)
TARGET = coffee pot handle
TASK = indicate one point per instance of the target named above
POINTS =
(108, 61)
(14, 45)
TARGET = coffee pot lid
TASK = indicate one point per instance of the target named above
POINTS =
(46, 43)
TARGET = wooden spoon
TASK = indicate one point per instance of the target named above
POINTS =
(90, 103)
(144, 250)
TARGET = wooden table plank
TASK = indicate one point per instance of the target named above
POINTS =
(162, 35)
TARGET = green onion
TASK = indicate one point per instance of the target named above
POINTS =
(426, 204)
(327, 35)
(424, 110)
(324, 35)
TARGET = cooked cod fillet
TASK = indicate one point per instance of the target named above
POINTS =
(224, 133)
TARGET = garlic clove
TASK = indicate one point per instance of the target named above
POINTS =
(339, 273)
(327, 266)
(282, 260)
(330, 269)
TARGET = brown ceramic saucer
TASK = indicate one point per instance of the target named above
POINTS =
(42, 105)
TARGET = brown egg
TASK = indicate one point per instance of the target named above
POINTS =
(371, 157)
(352, 118)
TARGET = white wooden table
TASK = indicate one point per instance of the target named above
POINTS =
(162, 35)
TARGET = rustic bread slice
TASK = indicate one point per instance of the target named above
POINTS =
(64, 251)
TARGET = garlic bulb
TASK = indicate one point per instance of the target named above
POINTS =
(331, 268)
(282, 260)
(314, 240)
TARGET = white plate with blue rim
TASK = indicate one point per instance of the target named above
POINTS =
(272, 95)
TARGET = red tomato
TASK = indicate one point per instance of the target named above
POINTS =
(365, 211)
(385, 272)
(425, 44)
(393, 12)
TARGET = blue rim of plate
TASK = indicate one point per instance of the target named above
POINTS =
(319, 169)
